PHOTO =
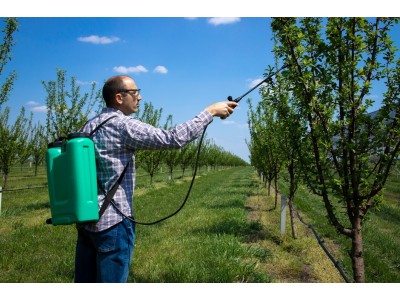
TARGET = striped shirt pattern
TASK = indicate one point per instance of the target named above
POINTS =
(115, 145)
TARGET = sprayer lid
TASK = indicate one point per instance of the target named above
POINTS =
(55, 144)
(78, 135)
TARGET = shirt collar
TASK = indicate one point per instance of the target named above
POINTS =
(112, 110)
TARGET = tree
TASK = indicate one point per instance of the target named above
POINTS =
(5, 56)
(171, 160)
(214, 155)
(332, 74)
(150, 161)
(11, 138)
(67, 111)
(290, 130)
(186, 156)
(265, 135)
(24, 150)
(170, 157)
(38, 144)
(8, 140)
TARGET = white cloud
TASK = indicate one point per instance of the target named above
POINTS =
(223, 21)
(32, 103)
(85, 82)
(234, 123)
(254, 82)
(95, 39)
(42, 108)
(127, 70)
(228, 122)
(161, 70)
(245, 125)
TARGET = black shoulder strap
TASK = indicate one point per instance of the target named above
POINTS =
(101, 124)
(109, 196)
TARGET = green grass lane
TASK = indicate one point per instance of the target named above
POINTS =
(205, 241)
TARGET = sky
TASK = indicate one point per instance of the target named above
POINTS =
(181, 64)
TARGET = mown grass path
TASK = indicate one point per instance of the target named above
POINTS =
(206, 241)
(227, 232)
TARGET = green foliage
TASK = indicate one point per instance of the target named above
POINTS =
(11, 26)
(347, 152)
(151, 160)
(38, 145)
(67, 110)
(12, 140)
(332, 74)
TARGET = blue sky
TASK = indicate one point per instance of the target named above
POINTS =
(181, 64)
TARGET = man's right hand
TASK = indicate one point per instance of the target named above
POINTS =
(222, 109)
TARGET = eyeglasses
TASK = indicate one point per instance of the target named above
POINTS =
(133, 92)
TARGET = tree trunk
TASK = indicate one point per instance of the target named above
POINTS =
(291, 212)
(151, 178)
(292, 191)
(276, 189)
(5, 181)
(183, 172)
(357, 254)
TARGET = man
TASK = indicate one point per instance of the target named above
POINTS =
(104, 248)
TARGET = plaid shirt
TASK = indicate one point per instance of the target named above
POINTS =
(115, 145)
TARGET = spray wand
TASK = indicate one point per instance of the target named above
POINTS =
(253, 88)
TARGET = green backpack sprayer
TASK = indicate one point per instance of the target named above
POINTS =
(72, 179)
(71, 173)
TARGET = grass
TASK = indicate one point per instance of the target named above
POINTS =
(227, 232)
(380, 233)
(203, 243)
(288, 260)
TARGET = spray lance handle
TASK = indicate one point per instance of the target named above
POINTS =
(260, 83)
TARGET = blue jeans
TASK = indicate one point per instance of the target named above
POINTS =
(105, 256)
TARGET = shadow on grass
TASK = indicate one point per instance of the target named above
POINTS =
(228, 204)
(40, 205)
(248, 232)
(389, 214)
(21, 209)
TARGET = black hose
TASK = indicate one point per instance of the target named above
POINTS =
(321, 243)
(187, 194)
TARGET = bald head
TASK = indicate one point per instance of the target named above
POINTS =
(120, 92)
(112, 86)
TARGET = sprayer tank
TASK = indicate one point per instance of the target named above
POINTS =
(71, 173)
